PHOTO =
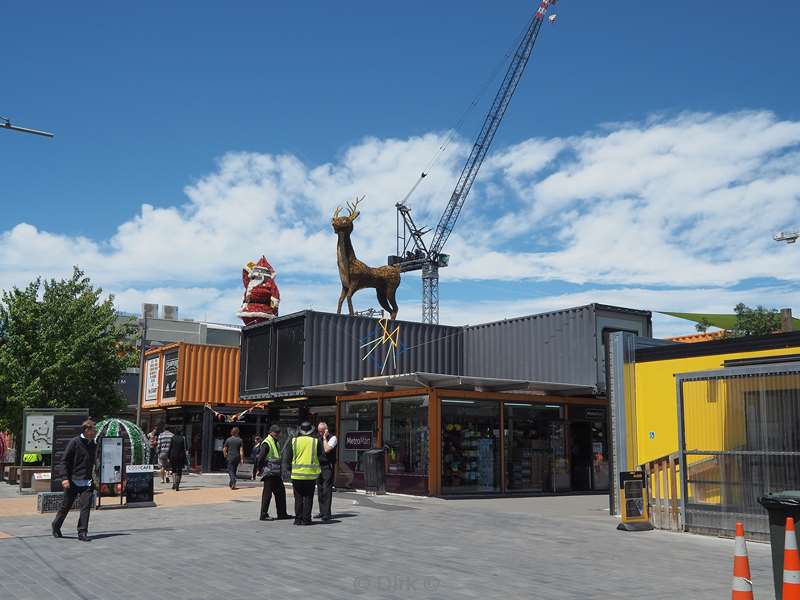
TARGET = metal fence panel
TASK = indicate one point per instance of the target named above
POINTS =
(741, 430)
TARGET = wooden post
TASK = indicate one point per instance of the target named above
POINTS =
(676, 513)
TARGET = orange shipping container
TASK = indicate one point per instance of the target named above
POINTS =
(185, 374)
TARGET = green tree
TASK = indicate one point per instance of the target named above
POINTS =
(755, 321)
(61, 346)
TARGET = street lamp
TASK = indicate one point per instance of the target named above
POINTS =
(5, 123)
(790, 237)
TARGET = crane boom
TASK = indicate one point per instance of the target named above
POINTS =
(486, 136)
(412, 253)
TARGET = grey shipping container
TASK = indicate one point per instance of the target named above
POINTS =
(565, 346)
(288, 354)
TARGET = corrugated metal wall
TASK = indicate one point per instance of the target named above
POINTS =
(207, 374)
(741, 442)
(558, 347)
(562, 346)
(333, 350)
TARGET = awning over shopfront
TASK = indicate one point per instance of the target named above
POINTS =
(391, 383)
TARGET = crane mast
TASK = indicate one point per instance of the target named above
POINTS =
(412, 253)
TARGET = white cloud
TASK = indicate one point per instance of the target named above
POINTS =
(675, 208)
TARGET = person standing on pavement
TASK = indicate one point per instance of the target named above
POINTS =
(152, 439)
(78, 463)
(270, 457)
(177, 458)
(327, 463)
(164, 441)
(304, 454)
(257, 443)
(234, 455)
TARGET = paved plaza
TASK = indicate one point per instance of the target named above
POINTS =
(206, 542)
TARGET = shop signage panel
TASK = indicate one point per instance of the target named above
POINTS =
(170, 374)
(633, 501)
(65, 427)
(110, 460)
(151, 380)
(358, 440)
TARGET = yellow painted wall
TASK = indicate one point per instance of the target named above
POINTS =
(655, 408)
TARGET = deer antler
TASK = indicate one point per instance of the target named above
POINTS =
(353, 208)
(336, 213)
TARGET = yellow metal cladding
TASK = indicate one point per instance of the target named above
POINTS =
(714, 424)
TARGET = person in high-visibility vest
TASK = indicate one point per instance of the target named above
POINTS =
(304, 453)
(270, 458)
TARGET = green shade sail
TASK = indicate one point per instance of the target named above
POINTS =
(722, 321)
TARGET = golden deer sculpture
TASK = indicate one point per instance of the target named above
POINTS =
(355, 275)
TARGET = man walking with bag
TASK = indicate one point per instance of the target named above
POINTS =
(304, 454)
(78, 463)
(269, 458)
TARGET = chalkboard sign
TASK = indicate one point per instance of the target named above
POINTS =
(170, 374)
(139, 483)
(65, 427)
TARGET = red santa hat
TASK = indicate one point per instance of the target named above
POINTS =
(263, 263)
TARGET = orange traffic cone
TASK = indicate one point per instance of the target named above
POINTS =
(791, 564)
(742, 586)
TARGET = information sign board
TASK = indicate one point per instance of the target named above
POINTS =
(358, 440)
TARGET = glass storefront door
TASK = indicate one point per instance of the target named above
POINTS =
(354, 415)
(405, 434)
(529, 456)
(470, 446)
(589, 449)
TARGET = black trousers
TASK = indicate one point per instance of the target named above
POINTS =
(273, 486)
(233, 465)
(84, 495)
(325, 491)
(303, 498)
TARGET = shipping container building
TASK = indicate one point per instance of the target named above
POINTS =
(564, 346)
(283, 357)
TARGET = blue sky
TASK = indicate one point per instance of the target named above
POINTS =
(242, 126)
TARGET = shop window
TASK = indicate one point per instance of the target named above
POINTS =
(405, 433)
(356, 415)
(529, 446)
(470, 446)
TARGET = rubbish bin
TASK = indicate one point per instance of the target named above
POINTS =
(779, 505)
(374, 471)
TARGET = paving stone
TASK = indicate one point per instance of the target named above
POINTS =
(380, 547)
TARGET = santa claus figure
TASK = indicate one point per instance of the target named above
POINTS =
(261, 295)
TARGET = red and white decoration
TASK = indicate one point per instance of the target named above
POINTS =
(261, 295)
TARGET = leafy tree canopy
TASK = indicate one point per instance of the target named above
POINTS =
(61, 346)
(755, 321)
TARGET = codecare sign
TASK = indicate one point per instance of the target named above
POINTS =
(151, 381)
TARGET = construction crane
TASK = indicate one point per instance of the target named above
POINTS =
(5, 123)
(412, 252)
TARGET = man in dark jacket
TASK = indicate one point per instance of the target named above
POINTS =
(78, 463)
(177, 458)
